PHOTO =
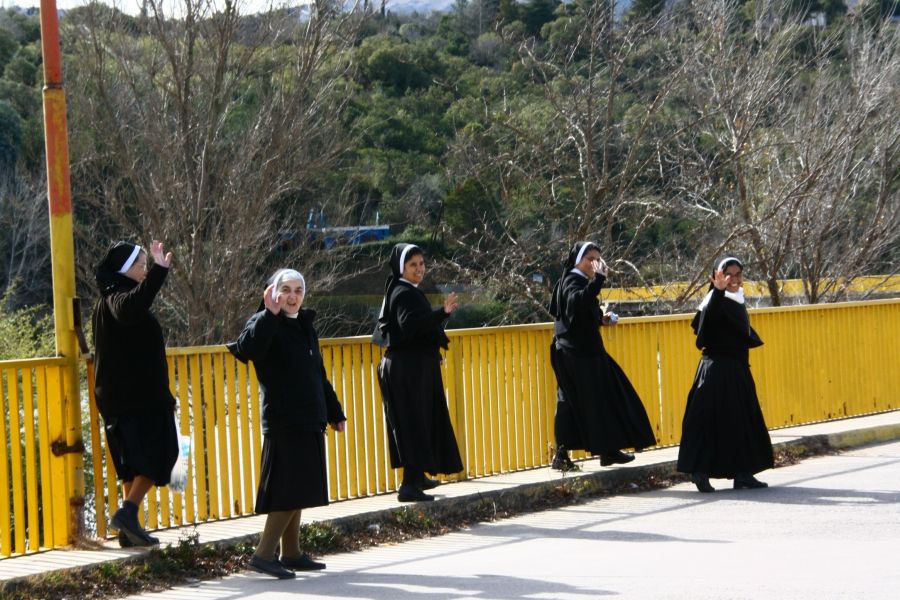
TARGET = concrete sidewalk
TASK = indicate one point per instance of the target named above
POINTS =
(514, 489)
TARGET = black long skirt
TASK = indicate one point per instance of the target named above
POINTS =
(597, 408)
(145, 444)
(723, 432)
(293, 473)
(420, 434)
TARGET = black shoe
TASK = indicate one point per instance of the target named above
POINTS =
(270, 567)
(617, 458)
(408, 493)
(702, 483)
(429, 484)
(562, 462)
(301, 563)
(127, 524)
(748, 481)
(124, 542)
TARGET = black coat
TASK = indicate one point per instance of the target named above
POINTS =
(723, 432)
(131, 376)
(597, 408)
(295, 391)
(420, 433)
(412, 323)
(577, 327)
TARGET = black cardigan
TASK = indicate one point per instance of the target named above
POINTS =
(131, 376)
(723, 328)
(413, 325)
(295, 391)
(577, 329)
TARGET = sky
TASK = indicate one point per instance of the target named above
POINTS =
(133, 6)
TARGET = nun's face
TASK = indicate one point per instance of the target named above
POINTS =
(414, 269)
(138, 270)
(588, 262)
(291, 293)
(734, 278)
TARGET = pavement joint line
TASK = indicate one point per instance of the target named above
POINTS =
(509, 496)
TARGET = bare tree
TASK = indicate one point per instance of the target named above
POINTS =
(24, 240)
(784, 161)
(209, 130)
(579, 160)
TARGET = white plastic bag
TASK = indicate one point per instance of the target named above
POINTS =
(179, 478)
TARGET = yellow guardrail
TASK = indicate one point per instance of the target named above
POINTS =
(819, 362)
(33, 503)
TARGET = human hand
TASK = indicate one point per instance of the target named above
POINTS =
(450, 303)
(339, 426)
(273, 304)
(600, 266)
(720, 280)
(610, 318)
(160, 256)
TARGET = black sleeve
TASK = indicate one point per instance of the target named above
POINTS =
(580, 298)
(128, 307)
(256, 338)
(332, 406)
(706, 318)
(417, 320)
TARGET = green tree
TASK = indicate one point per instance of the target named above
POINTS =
(8, 46)
(10, 137)
(21, 70)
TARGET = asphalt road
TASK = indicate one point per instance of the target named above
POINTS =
(828, 528)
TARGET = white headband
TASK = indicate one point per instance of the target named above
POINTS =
(403, 255)
(727, 260)
(583, 250)
(130, 261)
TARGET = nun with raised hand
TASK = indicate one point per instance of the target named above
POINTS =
(420, 434)
(597, 408)
(298, 402)
(131, 379)
(724, 434)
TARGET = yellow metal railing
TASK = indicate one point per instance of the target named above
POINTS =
(33, 501)
(819, 362)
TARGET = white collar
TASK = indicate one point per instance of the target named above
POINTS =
(415, 285)
(737, 296)
(578, 271)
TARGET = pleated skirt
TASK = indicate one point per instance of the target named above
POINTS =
(293, 473)
(145, 444)
(723, 432)
(420, 434)
(597, 408)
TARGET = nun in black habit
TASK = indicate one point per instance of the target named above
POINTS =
(723, 433)
(420, 434)
(597, 408)
(131, 379)
(298, 402)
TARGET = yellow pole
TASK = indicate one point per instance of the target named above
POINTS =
(68, 507)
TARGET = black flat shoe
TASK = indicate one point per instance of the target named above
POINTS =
(270, 567)
(128, 526)
(749, 482)
(301, 563)
(408, 493)
(616, 458)
(702, 483)
(429, 484)
(562, 462)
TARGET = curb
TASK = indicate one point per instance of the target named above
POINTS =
(527, 497)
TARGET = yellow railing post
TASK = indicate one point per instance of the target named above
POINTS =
(65, 408)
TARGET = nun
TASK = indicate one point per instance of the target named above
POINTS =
(298, 402)
(723, 434)
(420, 435)
(131, 379)
(597, 408)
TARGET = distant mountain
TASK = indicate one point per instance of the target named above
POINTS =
(420, 6)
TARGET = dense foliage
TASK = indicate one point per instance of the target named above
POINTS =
(496, 134)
